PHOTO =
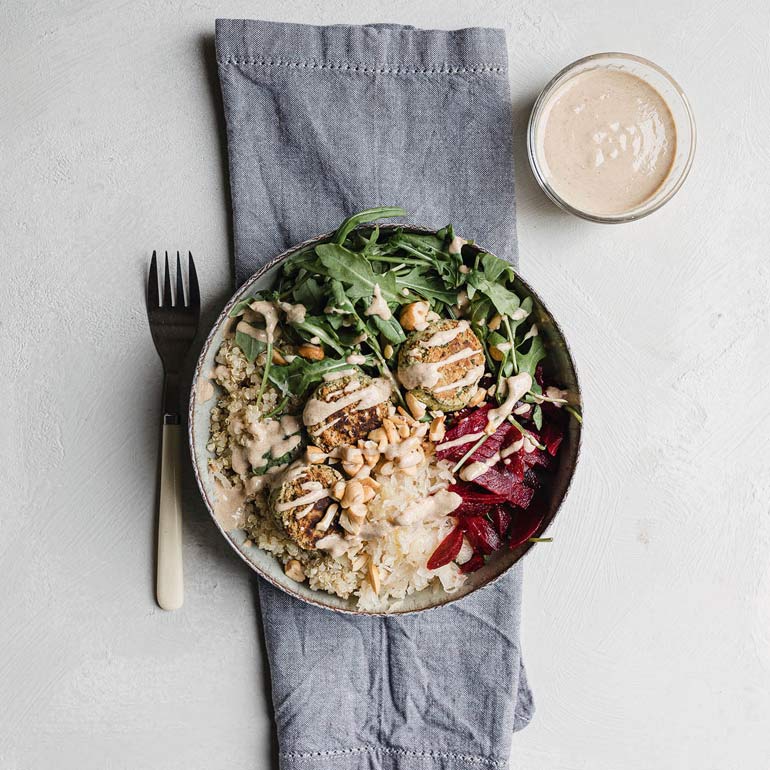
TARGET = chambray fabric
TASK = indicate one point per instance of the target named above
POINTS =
(323, 122)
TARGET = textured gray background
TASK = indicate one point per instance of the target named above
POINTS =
(646, 624)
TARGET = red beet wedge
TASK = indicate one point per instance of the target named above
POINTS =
(481, 534)
(475, 562)
(447, 550)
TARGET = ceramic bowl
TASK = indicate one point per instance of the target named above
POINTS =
(560, 369)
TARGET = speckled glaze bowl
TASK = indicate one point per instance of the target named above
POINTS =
(559, 366)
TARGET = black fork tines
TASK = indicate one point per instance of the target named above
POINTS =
(153, 299)
(190, 302)
(194, 293)
(179, 299)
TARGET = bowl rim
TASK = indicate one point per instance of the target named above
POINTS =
(641, 211)
(444, 598)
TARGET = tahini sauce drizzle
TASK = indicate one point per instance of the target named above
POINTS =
(318, 411)
(378, 306)
(269, 312)
(425, 374)
(446, 336)
(516, 387)
(435, 506)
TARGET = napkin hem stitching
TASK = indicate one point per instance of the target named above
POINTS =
(472, 758)
(347, 66)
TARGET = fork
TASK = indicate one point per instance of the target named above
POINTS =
(173, 324)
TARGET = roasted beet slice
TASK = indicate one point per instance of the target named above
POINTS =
(477, 509)
(524, 524)
(552, 435)
(514, 465)
(537, 457)
(470, 493)
(481, 534)
(447, 550)
(475, 562)
(496, 481)
(504, 485)
(532, 478)
(472, 422)
(501, 518)
(486, 450)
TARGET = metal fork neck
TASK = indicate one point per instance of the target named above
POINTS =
(171, 401)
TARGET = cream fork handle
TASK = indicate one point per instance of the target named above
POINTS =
(170, 579)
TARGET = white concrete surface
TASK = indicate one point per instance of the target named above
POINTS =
(647, 623)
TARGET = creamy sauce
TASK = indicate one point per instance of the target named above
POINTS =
(339, 374)
(251, 331)
(471, 378)
(228, 506)
(466, 439)
(479, 468)
(295, 314)
(355, 358)
(430, 508)
(309, 498)
(333, 544)
(238, 460)
(425, 374)
(455, 247)
(446, 336)
(205, 387)
(268, 311)
(606, 141)
(378, 306)
(265, 437)
(318, 411)
(516, 387)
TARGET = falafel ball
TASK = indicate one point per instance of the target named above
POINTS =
(348, 424)
(299, 520)
(450, 385)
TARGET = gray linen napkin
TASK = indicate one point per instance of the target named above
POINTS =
(322, 122)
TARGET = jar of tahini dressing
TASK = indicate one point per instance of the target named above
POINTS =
(611, 138)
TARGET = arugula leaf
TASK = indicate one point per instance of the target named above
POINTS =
(297, 377)
(390, 329)
(240, 306)
(319, 326)
(496, 339)
(355, 270)
(425, 245)
(370, 215)
(526, 306)
(249, 346)
(504, 300)
(494, 268)
(309, 292)
(527, 362)
(480, 310)
(537, 417)
(427, 286)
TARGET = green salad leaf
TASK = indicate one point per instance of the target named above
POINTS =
(251, 347)
(300, 375)
(355, 271)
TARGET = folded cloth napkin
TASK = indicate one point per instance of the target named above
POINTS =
(323, 122)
